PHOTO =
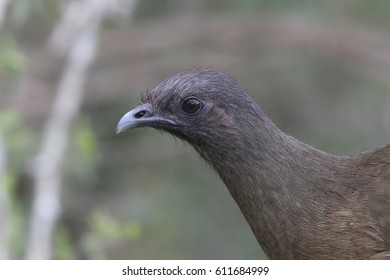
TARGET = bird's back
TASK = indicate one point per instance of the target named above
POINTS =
(356, 225)
(372, 180)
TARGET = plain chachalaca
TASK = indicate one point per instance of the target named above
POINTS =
(300, 202)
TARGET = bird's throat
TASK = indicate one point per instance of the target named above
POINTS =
(267, 176)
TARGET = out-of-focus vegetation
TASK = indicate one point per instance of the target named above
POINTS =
(319, 68)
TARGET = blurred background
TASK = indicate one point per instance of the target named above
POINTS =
(70, 188)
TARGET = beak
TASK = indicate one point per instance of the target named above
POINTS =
(143, 116)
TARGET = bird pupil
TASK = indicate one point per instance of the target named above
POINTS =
(191, 106)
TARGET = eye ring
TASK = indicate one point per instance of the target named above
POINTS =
(191, 106)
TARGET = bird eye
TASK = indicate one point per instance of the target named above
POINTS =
(191, 105)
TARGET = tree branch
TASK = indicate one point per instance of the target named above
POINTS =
(87, 15)
(3, 9)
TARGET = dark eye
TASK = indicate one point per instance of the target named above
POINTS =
(191, 106)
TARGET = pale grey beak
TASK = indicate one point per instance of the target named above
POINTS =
(143, 116)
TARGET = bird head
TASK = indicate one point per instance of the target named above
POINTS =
(198, 105)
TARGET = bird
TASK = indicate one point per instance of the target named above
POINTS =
(300, 202)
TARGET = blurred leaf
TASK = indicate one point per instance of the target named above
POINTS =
(86, 143)
(63, 245)
(104, 225)
(106, 231)
(9, 120)
(132, 230)
(19, 140)
(19, 229)
(22, 10)
(84, 155)
(107, 227)
(12, 61)
(9, 181)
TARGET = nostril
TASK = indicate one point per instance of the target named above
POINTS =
(140, 114)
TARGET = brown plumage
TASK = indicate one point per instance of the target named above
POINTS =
(300, 202)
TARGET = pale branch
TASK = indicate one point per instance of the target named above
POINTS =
(82, 45)
(48, 164)
(3, 8)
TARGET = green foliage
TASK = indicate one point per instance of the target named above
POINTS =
(22, 10)
(19, 140)
(106, 231)
(109, 228)
(9, 181)
(85, 142)
(19, 229)
(12, 61)
(19, 143)
(63, 245)
(84, 153)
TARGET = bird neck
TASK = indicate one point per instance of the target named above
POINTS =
(268, 173)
